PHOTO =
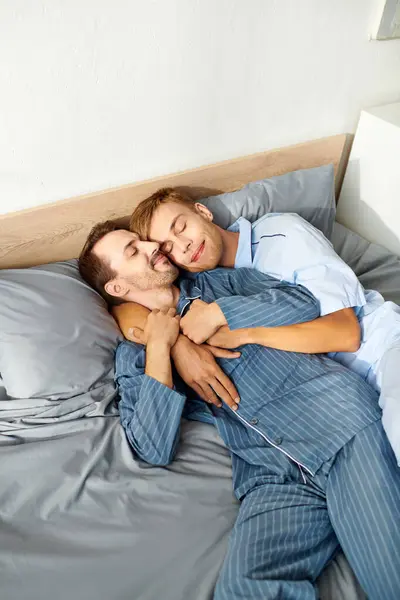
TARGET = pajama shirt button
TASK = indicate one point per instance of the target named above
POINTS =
(278, 441)
(254, 421)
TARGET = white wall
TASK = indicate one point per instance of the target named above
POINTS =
(97, 93)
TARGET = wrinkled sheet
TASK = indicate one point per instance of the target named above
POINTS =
(81, 518)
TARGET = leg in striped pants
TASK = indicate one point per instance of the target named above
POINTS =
(363, 498)
(287, 531)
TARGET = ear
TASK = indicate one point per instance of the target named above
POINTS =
(203, 211)
(116, 287)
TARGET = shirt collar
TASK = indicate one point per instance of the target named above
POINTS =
(188, 292)
(244, 256)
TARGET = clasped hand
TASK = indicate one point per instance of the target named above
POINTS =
(195, 362)
(202, 321)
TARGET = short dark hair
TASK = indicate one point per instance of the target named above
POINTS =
(95, 271)
(143, 213)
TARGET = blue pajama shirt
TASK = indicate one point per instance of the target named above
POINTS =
(289, 248)
(311, 464)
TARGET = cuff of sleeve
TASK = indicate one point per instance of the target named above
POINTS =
(356, 302)
(153, 387)
(232, 307)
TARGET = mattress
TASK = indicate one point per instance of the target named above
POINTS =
(81, 518)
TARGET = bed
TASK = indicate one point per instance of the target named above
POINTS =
(79, 515)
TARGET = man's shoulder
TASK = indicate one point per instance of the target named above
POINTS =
(220, 282)
(277, 219)
(217, 276)
(283, 225)
(239, 276)
(218, 271)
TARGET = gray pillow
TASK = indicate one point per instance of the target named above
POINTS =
(308, 192)
(376, 267)
(57, 338)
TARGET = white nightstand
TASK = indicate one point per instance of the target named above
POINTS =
(369, 202)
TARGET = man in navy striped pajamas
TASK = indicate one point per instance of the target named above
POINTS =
(356, 326)
(312, 466)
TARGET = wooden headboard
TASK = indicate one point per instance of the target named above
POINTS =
(58, 231)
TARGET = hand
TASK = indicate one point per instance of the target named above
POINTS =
(202, 321)
(162, 327)
(135, 334)
(129, 315)
(228, 338)
(197, 367)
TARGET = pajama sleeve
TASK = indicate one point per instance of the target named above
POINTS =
(150, 411)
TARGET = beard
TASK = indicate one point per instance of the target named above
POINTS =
(152, 279)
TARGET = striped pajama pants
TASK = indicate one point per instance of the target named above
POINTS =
(287, 530)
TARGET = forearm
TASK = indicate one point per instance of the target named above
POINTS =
(180, 346)
(337, 332)
(158, 363)
(134, 316)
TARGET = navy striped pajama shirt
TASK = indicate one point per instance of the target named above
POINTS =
(311, 464)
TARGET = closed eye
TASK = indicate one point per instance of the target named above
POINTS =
(179, 226)
(130, 249)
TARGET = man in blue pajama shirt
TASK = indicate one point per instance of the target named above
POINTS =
(357, 327)
(312, 466)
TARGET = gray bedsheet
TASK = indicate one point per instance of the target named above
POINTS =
(81, 518)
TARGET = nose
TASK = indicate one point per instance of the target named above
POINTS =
(149, 247)
(183, 245)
